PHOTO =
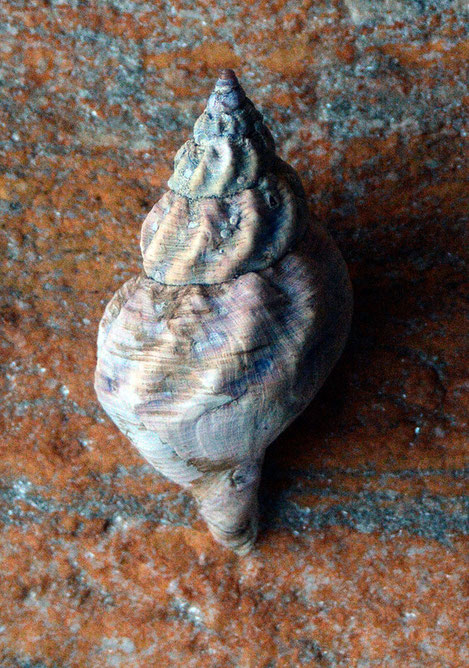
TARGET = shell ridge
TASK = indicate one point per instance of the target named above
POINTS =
(114, 308)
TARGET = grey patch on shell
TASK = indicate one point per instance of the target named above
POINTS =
(212, 341)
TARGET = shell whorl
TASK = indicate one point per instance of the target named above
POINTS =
(233, 205)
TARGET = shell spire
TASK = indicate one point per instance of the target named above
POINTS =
(233, 205)
(242, 310)
(227, 94)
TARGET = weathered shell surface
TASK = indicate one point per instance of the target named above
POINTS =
(242, 311)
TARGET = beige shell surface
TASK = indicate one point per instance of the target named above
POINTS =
(221, 238)
(229, 363)
(241, 312)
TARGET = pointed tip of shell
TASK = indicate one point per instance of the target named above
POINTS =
(227, 94)
(231, 146)
(227, 77)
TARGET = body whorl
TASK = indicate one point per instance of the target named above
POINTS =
(242, 310)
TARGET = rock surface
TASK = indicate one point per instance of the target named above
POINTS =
(363, 548)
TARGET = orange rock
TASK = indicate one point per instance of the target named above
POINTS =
(362, 557)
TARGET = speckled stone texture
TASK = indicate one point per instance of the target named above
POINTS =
(362, 555)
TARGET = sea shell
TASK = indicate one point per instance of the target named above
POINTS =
(241, 312)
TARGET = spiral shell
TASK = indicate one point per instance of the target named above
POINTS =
(242, 310)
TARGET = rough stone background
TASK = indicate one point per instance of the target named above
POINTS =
(362, 555)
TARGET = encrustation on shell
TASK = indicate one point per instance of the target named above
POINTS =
(243, 308)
